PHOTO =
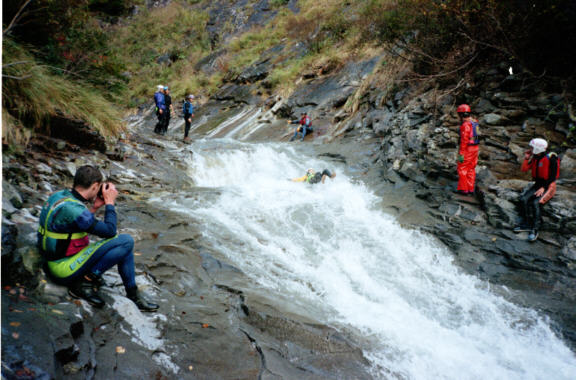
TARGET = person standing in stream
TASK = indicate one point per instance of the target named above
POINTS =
(160, 108)
(169, 110)
(188, 111)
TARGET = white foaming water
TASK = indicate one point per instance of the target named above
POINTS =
(328, 253)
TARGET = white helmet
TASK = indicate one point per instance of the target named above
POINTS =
(190, 96)
(160, 87)
(538, 145)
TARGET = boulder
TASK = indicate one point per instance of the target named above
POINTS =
(77, 132)
(500, 212)
(569, 250)
(234, 92)
(568, 165)
(493, 119)
(254, 73)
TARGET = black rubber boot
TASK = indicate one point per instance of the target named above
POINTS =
(137, 298)
(86, 288)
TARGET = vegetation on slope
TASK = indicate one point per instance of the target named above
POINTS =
(107, 48)
(56, 62)
(32, 95)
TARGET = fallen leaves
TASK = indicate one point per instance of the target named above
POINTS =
(205, 325)
(15, 324)
(25, 372)
(120, 350)
(56, 311)
(15, 335)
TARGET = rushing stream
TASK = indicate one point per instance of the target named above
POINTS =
(328, 252)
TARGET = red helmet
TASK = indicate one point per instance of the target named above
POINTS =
(463, 108)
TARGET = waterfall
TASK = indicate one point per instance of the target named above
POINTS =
(328, 252)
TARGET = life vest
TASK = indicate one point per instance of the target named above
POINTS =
(475, 135)
(313, 178)
(306, 121)
(540, 168)
(57, 245)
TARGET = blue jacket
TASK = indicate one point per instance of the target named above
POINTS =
(187, 109)
(159, 100)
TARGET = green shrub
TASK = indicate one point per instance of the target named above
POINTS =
(278, 3)
(173, 30)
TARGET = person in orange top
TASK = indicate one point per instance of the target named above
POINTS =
(467, 151)
(545, 168)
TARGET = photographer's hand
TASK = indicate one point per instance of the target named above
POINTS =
(98, 202)
(109, 193)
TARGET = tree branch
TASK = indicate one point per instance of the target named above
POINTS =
(16, 17)
(17, 78)
(16, 63)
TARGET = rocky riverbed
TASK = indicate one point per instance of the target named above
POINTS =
(207, 326)
(212, 322)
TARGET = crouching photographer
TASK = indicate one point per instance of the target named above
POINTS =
(70, 259)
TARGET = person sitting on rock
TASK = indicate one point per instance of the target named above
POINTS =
(545, 169)
(70, 259)
(305, 125)
(313, 177)
(468, 151)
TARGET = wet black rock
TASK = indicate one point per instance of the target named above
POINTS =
(77, 132)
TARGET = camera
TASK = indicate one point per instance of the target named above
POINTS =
(100, 195)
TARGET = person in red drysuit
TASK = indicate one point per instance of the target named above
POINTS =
(467, 151)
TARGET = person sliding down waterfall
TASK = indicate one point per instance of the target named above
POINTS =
(545, 169)
(305, 126)
(313, 177)
(468, 151)
(63, 242)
